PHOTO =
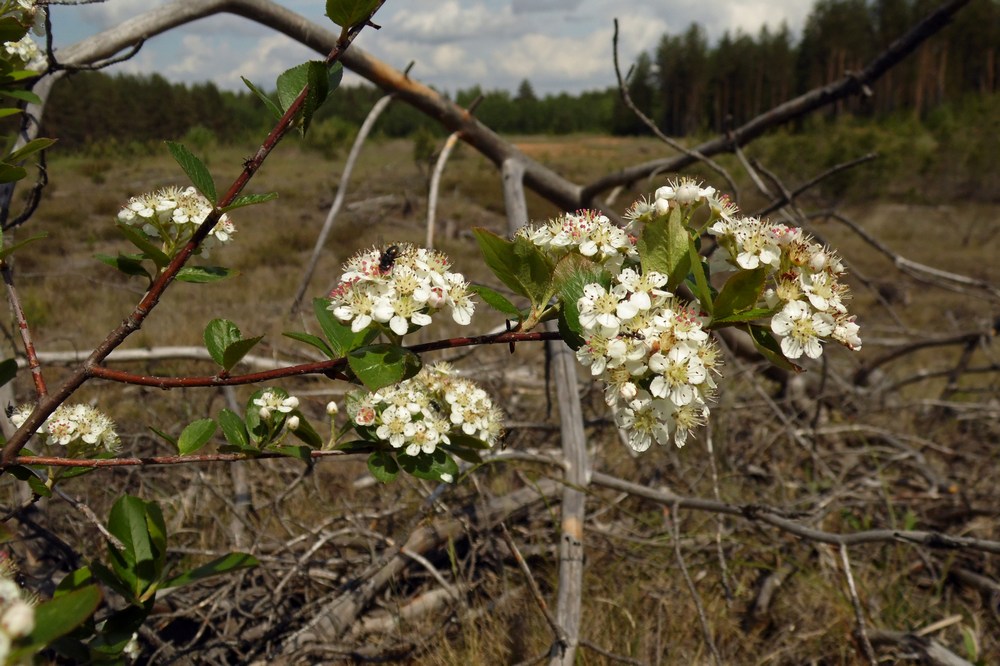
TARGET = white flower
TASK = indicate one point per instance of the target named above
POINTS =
(599, 310)
(275, 401)
(800, 329)
(678, 372)
(18, 619)
(172, 215)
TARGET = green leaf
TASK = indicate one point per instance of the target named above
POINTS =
(237, 350)
(9, 112)
(23, 95)
(140, 528)
(383, 365)
(518, 264)
(141, 241)
(342, 338)
(195, 436)
(12, 30)
(306, 432)
(303, 453)
(262, 96)
(10, 173)
(348, 13)
(769, 348)
(250, 200)
(430, 466)
(497, 301)
(29, 148)
(204, 274)
(572, 277)
(225, 564)
(8, 370)
(170, 439)
(74, 580)
(234, 429)
(195, 170)
(313, 340)
(319, 85)
(354, 446)
(37, 486)
(740, 293)
(129, 264)
(663, 247)
(8, 250)
(383, 466)
(702, 290)
(741, 317)
(219, 335)
(56, 618)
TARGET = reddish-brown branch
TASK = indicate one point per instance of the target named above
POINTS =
(49, 461)
(332, 369)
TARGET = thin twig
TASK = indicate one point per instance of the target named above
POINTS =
(859, 614)
(536, 592)
(705, 629)
(25, 330)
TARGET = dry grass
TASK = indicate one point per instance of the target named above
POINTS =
(636, 602)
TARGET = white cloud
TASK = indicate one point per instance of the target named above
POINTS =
(451, 21)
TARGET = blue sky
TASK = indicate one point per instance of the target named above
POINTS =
(559, 45)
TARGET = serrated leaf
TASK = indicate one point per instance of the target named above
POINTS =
(221, 565)
(342, 338)
(518, 264)
(250, 200)
(195, 170)
(313, 340)
(8, 250)
(237, 350)
(348, 13)
(262, 96)
(29, 148)
(204, 274)
(740, 293)
(130, 265)
(234, 429)
(290, 84)
(497, 301)
(8, 370)
(572, 275)
(769, 348)
(55, 618)
(195, 436)
(383, 365)
(663, 247)
(218, 336)
(383, 466)
(146, 246)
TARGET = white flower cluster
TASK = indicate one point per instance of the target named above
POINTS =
(400, 286)
(172, 215)
(25, 49)
(421, 413)
(803, 281)
(684, 192)
(81, 428)
(17, 612)
(652, 353)
(271, 401)
(588, 232)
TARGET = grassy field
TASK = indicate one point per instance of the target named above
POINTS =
(920, 455)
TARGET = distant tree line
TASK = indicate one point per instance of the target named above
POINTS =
(687, 84)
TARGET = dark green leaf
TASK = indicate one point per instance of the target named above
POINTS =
(127, 264)
(23, 95)
(319, 85)
(354, 446)
(741, 317)
(769, 347)
(234, 429)
(56, 618)
(518, 264)
(195, 436)
(342, 338)
(76, 579)
(237, 350)
(497, 301)
(37, 486)
(702, 290)
(306, 432)
(195, 170)
(8, 370)
(141, 241)
(348, 13)
(303, 453)
(740, 293)
(203, 274)
(10, 173)
(663, 247)
(139, 527)
(219, 335)
(8, 250)
(290, 84)
(430, 466)
(383, 466)
(109, 578)
(383, 365)
(313, 340)
(262, 96)
(250, 200)
(12, 30)
(225, 564)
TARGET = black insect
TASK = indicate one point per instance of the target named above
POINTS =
(388, 258)
(9, 410)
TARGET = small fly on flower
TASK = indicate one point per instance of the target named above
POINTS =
(388, 258)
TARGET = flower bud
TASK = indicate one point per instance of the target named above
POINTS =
(292, 423)
(331, 408)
